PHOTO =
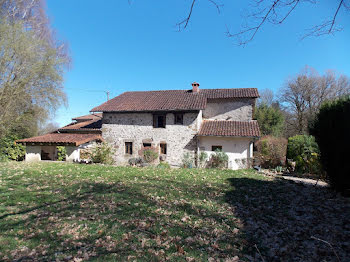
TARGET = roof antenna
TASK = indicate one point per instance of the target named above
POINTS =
(107, 93)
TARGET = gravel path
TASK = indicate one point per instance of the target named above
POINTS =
(306, 181)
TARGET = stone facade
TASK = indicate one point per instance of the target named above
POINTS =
(229, 109)
(119, 128)
(137, 128)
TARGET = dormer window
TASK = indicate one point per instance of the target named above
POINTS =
(179, 119)
(159, 120)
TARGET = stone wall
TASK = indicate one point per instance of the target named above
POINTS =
(229, 109)
(118, 128)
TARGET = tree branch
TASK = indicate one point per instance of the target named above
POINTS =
(335, 16)
(324, 241)
(187, 19)
(274, 12)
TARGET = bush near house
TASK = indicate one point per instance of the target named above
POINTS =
(163, 165)
(304, 150)
(149, 154)
(203, 157)
(9, 150)
(102, 153)
(187, 160)
(271, 151)
(331, 129)
(218, 160)
(61, 153)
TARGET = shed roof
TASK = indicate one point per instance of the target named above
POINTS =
(229, 128)
(62, 139)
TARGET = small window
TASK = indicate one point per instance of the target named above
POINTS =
(179, 119)
(214, 148)
(159, 121)
(147, 145)
(128, 148)
(163, 149)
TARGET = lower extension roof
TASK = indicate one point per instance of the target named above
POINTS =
(229, 128)
(61, 139)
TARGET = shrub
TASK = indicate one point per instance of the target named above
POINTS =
(304, 150)
(187, 160)
(218, 159)
(149, 155)
(61, 153)
(103, 153)
(10, 150)
(135, 161)
(331, 129)
(244, 162)
(271, 151)
(85, 154)
(164, 165)
(203, 157)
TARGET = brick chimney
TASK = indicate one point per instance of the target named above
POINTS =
(195, 87)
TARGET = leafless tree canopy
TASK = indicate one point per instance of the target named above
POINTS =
(274, 12)
(303, 95)
(266, 97)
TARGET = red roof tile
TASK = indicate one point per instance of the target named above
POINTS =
(229, 128)
(62, 138)
(230, 93)
(170, 100)
(91, 125)
(88, 117)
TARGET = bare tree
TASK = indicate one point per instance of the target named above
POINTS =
(303, 95)
(274, 12)
(266, 97)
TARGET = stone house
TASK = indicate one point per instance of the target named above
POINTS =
(175, 122)
(81, 134)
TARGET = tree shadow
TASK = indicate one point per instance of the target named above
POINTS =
(118, 221)
(281, 218)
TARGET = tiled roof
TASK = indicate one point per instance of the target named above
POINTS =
(170, 100)
(62, 139)
(88, 117)
(230, 93)
(91, 125)
(230, 128)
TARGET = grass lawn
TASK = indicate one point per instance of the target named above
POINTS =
(65, 212)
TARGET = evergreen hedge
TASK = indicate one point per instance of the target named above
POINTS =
(331, 129)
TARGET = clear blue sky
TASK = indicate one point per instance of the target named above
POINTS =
(119, 47)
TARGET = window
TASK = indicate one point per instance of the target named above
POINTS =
(147, 144)
(179, 118)
(128, 148)
(163, 149)
(214, 148)
(159, 121)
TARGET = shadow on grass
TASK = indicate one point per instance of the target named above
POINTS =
(281, 217)
(116, 221)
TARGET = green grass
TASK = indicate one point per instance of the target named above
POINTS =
(59, 211)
